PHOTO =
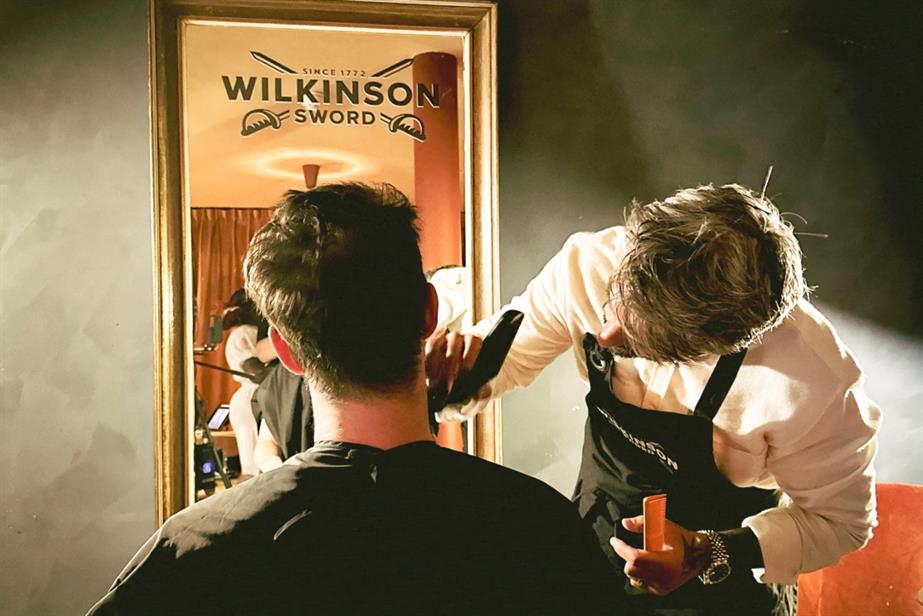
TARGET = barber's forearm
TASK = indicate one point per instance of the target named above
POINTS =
(267, 455)
(270, 463)
(828, 479)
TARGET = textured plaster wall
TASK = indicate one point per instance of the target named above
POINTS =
(76, 465)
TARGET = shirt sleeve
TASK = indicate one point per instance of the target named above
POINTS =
(240, 346)
(453, 287)
(544, 332)
(828, 479)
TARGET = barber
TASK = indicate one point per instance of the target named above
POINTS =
(713, 380)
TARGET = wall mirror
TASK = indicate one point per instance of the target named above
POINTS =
(252, 98)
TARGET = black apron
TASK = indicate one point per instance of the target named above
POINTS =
(630, 453)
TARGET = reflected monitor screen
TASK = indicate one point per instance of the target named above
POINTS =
(219, 418)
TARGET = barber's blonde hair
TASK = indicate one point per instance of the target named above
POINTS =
(709, 270)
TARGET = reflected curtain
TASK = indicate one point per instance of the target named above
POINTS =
(220, 237)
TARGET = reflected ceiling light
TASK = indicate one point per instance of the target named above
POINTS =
(285, 164)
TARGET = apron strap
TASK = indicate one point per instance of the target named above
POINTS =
(599, 362)
(719, 384)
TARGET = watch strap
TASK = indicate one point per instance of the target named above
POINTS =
(718, 567)
(743, 547)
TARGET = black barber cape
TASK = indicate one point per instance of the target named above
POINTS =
(350, 529)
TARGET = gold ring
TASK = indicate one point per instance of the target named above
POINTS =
(640, 585)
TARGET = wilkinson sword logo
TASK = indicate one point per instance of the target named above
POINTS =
(321, 91)
(649, 447)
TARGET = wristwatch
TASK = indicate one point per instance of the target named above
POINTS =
(719, 561)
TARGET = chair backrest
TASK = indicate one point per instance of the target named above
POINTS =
(886, 576)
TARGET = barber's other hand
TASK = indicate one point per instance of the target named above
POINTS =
(447, 355)
(684, 556)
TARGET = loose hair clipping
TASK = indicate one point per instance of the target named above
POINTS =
(783, 214)
(765, 209)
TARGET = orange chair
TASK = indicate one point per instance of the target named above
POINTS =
(886, 576)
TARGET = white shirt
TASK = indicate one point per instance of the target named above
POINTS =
(452, 286)
(241, 346)
(796, 417)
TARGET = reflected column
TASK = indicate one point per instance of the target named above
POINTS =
(437, 172)
(438, 176)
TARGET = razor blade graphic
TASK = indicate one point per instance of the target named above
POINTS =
(406, 123)
(256, 120)
(271, 63)
(394, 68)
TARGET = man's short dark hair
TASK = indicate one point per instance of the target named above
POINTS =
(338, 272)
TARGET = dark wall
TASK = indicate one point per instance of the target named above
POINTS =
(638, 98)
(602, 101)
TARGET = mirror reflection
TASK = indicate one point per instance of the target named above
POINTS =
(271, 108)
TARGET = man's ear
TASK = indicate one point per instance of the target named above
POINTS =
(611, 334)
(432, 310)
(284, 352)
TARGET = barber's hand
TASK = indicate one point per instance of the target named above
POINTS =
(447, 355)
(684, 556)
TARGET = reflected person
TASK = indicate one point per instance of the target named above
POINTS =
(245, 351)
(282, 404)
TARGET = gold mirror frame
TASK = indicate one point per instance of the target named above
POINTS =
(173, 370)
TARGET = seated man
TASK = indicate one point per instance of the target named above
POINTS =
(375, 518)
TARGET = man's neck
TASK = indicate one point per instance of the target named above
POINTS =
(378, 420)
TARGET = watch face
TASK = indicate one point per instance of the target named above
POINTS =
(717, 572)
